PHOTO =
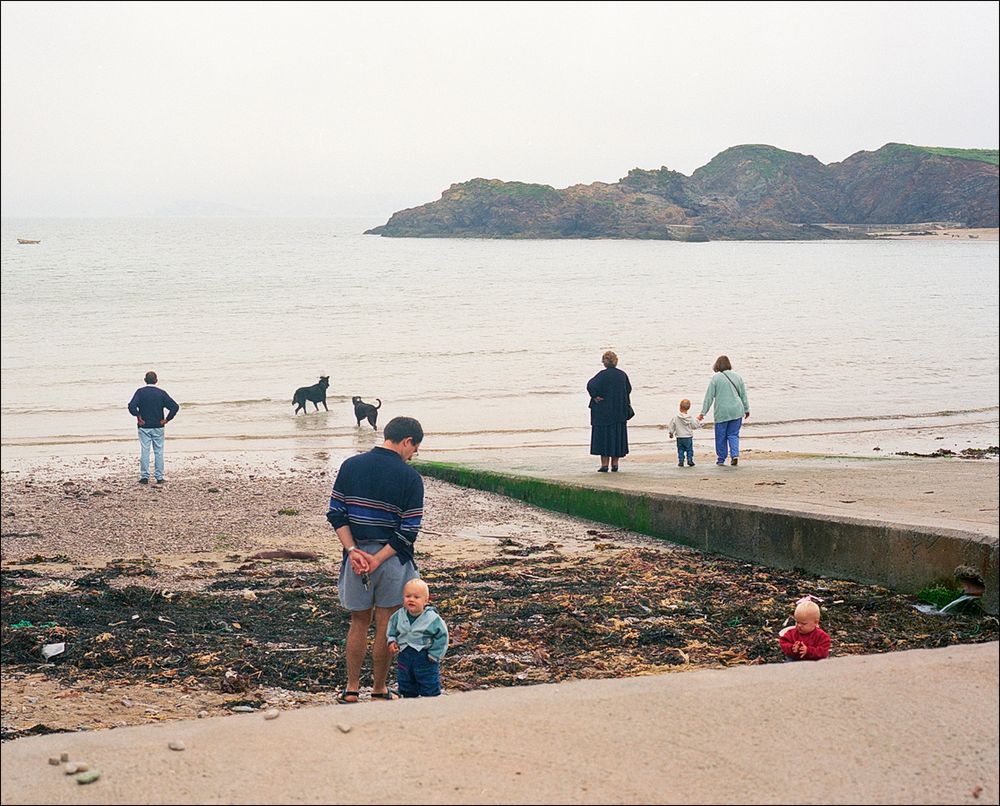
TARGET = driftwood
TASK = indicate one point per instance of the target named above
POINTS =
(284, 554)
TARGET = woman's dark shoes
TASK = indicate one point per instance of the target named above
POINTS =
(602, 469)
(735, 460)
(614, 468)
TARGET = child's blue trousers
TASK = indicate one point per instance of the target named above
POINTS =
(685, 448)
(416, 674)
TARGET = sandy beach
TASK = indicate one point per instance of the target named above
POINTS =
(157, 595)
(533, 596)
(917, 233)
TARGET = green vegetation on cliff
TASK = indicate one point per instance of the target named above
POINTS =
(987, 155)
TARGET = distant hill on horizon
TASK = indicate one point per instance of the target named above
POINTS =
(747, 192)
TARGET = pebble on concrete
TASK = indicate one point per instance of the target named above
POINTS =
(73, 767)
(176, 745)
(88, 777)
(272, 713)
(343, 727)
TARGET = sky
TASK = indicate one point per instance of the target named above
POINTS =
(343, 109)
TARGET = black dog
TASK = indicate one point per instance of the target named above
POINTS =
(316, 393)
(364, 410)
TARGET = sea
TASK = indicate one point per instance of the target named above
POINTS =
(847, 348)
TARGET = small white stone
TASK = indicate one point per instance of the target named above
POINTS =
(73, 767)
(176, 745)
(343, 727)
(202, 714)
(272, 713)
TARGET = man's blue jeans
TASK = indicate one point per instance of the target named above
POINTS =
(727, 436)
(151, 437)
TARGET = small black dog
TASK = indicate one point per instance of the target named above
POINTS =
(316, 393)
(364, 410)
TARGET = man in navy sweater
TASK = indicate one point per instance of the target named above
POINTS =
(147, 406)
(375, 508)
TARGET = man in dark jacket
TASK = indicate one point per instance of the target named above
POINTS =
(147, 406)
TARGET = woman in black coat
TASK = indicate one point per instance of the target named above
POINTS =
(610, 393)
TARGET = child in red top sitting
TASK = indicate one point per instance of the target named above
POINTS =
(806, 640)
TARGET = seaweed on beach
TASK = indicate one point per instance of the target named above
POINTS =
(514, 620)
(965, 453)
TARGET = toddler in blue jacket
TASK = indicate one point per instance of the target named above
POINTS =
(420, 636)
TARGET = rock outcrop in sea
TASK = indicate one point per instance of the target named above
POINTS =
(748, 192)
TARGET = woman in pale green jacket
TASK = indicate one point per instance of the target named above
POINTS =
(729, 394)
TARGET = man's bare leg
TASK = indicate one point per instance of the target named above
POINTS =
(380, 650)
(357, 645)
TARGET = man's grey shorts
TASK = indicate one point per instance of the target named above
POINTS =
(387, 581)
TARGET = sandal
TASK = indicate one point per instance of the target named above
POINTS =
(345, 697)
(385, 695)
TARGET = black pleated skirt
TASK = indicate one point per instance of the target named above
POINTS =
(609, 440)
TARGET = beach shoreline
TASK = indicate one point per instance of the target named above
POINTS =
(916, 233)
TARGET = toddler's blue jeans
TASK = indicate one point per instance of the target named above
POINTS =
(416, 674)
(685, 448)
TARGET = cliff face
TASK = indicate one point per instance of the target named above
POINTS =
(900, 183)
(489, 208)
(746, 192)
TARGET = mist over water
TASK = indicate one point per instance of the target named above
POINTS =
(488, 343)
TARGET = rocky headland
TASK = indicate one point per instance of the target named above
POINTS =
(748, 192)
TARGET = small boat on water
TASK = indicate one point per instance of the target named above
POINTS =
(26, 240)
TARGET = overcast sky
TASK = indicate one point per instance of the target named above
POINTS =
(364, 108)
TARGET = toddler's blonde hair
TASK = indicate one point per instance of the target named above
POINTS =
(418, 583)
(685, 404)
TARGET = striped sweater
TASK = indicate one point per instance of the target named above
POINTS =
(381, 498)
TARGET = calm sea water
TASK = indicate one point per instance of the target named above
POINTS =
(488, 343)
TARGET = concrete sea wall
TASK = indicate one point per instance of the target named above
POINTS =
(898, 556)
